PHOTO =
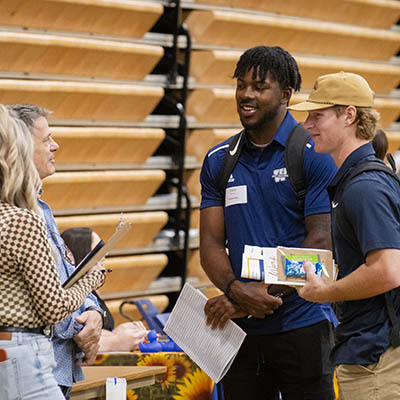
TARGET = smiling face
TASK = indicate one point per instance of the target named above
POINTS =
(44, 148)
(259, 102)
(327, 130)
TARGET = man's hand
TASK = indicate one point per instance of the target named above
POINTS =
(254, 299)
(313, 290)
(88, 338)
(219, 310)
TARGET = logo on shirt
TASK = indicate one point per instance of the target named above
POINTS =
(334, 205)
(231, 179)
(280, 174)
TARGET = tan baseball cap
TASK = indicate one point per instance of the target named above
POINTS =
(342, 88)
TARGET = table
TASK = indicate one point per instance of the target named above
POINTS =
(183, 380)
(95, 383)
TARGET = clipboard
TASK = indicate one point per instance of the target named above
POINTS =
(100, 251)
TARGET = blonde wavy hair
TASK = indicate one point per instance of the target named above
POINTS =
(19, 179)
(366, 121)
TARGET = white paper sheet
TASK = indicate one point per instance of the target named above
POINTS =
(213, 350)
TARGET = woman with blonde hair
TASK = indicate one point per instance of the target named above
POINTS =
(32, 298)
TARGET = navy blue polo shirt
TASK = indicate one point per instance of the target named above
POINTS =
(371, 203)
(267, 215)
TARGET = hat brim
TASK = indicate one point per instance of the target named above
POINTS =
(309, 106)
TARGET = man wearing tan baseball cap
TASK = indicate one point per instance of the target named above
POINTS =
(366, 238)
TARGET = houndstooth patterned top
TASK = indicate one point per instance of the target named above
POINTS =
(31, 291)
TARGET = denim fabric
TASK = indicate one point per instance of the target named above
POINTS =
(27, 372)
(65, 350)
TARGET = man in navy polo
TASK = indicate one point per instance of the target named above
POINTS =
(288, 339)
(342, 122)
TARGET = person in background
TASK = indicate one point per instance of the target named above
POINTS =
(68, 341)
(342, 121)
(32, 298)
(380, 144)
(288, 339)
(124, 337)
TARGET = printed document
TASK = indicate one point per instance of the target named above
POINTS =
(213, 350)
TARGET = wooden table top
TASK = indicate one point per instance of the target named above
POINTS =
(96, 375)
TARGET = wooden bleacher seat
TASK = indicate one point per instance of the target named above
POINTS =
(240, 29)
(118, 17)
(84, 145)
(193, 183)
(84, 100)
(217, 67)
(213, 105)
(55, 54)
(194, 267)
(372, 13)
(145, 226)
(160, 302)
(218, 106)
(131, 273)
(98, 189)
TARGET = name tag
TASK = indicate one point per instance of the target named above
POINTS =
(235, 195)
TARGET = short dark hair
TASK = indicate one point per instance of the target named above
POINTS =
(28, 113)
(274, 60)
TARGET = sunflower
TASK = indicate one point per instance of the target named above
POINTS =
(131, 395)
(196, 386)
(160, 359)
(100, 358)
(182, 366)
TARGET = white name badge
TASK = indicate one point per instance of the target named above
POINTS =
(235, 195)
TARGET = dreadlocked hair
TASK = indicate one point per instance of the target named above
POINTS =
(274, 60)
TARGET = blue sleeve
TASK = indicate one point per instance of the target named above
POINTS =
(90, 301)
(210, 195)
(373, 209)
(320, 170)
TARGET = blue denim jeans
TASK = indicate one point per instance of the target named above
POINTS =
(28, 371)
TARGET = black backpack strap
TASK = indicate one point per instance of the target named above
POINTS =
(294, 161)
(346, 231)
(230, 160)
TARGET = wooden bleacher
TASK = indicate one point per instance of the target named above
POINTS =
(45, 53)
(84, 100)
(99, 145)
(227, 28)
(145, 226)
(131, 274)
(99, 189)
(217, 66)
(117, 17)
(372, 13)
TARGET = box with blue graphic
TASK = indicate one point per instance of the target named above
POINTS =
(284, 265)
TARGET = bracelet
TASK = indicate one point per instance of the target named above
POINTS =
(228, 289)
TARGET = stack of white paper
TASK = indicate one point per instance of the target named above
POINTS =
(213, 350)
